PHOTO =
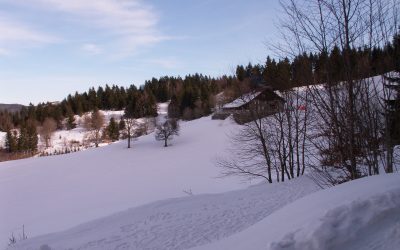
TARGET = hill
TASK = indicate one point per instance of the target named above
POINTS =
(11, 107)
(50, 194)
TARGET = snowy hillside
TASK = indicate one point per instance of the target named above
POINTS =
(151, 197)
(50, 194)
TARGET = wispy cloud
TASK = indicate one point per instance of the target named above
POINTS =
(131, 24)
(16, 35)
(92, 49)
(166, 63)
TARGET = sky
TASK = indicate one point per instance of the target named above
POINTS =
(51, 48)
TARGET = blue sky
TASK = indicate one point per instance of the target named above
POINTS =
(50, 48)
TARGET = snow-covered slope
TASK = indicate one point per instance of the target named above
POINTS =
(358, 215)
(177, 223)
(50, 194)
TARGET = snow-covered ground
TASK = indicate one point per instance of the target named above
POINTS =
(178, 223)
(358, 215)
(49, 194)
(362, 214)
(74, 139)
(151, 197)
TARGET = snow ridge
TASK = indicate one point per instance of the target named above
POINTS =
(363, 214)
(347, 226)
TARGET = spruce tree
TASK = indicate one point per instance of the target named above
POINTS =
(32, 136)
(71, 121)
(113, 130)
(11, 142)
(173, 108)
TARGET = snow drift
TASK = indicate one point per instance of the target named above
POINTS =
(361, 214)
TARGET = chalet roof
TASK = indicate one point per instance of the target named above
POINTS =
(242, 100)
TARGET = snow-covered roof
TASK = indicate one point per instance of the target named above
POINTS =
(242, 100)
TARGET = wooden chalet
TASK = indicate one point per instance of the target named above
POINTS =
(256, 104)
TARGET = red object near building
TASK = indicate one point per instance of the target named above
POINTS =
(302, 107)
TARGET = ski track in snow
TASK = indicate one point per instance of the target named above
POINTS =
(179, 223)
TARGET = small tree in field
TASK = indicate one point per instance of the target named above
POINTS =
(48, 127)
(113, 130)
(130, 125)
(167, 131)
(94, 124)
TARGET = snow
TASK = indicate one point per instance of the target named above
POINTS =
(361, 214)
(75, 138)
(242, 100)
(50, 194)
(178, 223)
(2, 139)
(150, 197)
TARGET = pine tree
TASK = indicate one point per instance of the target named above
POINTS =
(71, 121)
(11, 142)
(23, 139)
(32, 136)
(113, 130)
(173, 108)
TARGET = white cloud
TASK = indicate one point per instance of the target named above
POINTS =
(15, 35)
(131, 24)
(166, 63)
(92, 49)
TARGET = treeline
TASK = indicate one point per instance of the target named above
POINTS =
(194, 95)
(310, 68)
(191, 93)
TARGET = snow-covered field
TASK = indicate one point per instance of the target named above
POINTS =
(50, 194)
(151, 197)
(179, 223)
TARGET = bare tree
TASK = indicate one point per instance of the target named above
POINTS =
(130, 125)
(350, 136)
(167, 131)
(94, 124)
(272, 143)
(47, 130)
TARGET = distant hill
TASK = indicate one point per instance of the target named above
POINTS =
(11, 107)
